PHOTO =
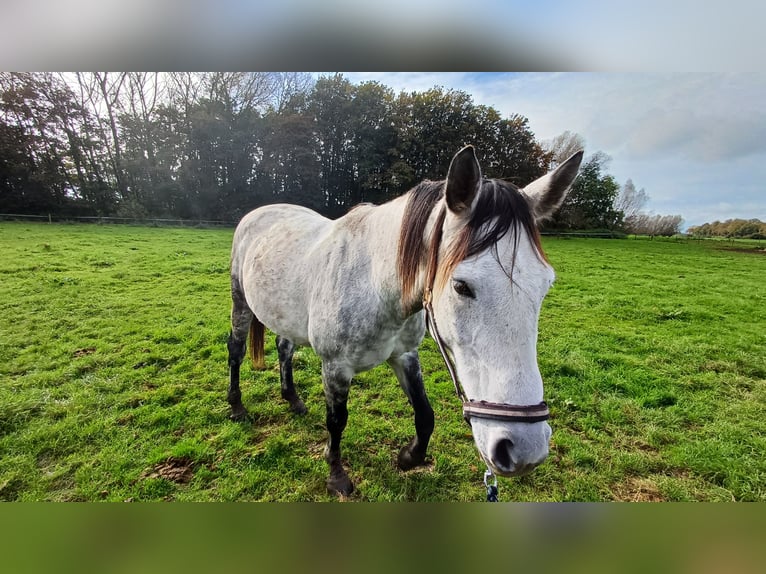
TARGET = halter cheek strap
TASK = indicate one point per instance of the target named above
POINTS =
(481, 409)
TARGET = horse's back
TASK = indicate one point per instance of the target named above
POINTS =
(285, 215)
(269, 261)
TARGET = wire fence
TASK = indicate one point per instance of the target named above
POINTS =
(50, 218)
(596, 234)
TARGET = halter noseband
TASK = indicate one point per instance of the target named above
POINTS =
(479, 409)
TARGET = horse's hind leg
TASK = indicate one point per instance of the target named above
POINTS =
(241, 317)
(285, 349)
(407, 370)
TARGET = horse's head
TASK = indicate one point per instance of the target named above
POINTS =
(488, 287)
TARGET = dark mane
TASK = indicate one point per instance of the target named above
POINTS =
(500, 207)
(410, 254)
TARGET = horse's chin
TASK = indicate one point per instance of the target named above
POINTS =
(516, 472)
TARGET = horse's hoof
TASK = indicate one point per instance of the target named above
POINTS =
(407, 460)
(298, 407)
(340, 485)
(239, 414)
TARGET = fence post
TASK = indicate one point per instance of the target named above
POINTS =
(49, 218)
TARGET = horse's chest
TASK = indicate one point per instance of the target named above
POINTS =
(363, 351)
(364, 338)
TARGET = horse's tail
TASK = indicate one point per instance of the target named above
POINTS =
(256, 343)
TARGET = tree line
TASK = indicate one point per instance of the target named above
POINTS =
(737, 228)
(597, 202)
(215, 145)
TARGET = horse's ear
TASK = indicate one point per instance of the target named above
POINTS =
(463, 180)
(546, 194)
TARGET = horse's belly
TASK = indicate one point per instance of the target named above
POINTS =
(279, 304)
(361, 350)
(278, 307)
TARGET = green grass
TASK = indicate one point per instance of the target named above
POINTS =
(113, 379)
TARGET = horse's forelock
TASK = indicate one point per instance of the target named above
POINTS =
(499, 208)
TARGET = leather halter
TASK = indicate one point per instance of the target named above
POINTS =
(478, 409)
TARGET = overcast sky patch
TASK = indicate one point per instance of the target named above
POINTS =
(696, 142)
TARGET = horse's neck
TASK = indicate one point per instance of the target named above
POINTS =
(384, 229)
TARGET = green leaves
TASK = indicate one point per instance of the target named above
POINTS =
(590, 202)
(213, 146)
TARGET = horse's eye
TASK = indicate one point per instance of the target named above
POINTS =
(462, 289)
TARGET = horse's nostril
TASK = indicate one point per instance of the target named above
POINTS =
(502, 455)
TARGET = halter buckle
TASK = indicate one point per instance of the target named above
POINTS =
(487, 475)
(427, 297)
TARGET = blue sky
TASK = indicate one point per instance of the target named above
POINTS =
(696, 142)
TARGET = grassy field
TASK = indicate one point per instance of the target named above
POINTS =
(113, 379)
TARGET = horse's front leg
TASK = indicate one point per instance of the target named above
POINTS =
(407, 370)
(336, 386)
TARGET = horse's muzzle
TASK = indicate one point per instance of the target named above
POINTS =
(519, 452)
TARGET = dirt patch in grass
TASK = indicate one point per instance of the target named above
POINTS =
(316, 449)
(750, 250)
(83, 352)
(10, 488)
(174, 469)
(636, 489)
